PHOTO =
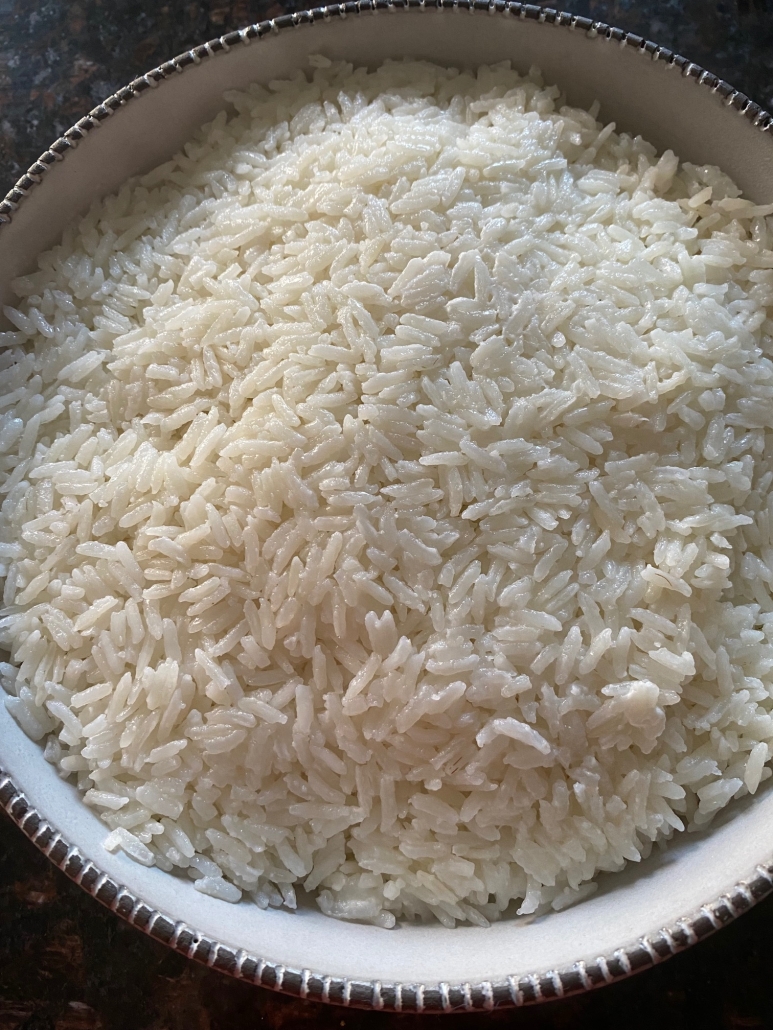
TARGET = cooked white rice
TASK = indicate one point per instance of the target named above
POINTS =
(387, 498)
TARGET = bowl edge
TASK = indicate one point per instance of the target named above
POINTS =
(744, 105)
(512, 992)
(312, 985)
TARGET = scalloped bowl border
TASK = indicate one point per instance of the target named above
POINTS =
(305, 983)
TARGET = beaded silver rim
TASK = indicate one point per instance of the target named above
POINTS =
(759, 117)
(312, 984)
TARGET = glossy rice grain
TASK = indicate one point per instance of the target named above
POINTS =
(386, 499)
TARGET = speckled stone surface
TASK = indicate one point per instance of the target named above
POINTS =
(59, 58)
(68, 964)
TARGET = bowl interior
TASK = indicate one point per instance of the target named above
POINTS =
(672, 883)
(639, 95)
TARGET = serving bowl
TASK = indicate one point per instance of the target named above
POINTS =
(638, 917)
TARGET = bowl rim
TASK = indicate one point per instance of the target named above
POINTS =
(314, 985)
(757, 115)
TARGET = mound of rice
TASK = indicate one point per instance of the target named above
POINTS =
(387, 501)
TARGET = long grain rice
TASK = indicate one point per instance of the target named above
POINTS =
(386, 498)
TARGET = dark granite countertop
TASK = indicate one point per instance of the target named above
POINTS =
(59, 58)
(68, 964)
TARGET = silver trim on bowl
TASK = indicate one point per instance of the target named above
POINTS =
(759, 117)
(310, 984)
(395, 997)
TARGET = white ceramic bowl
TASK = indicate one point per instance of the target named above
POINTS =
(638, 917)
